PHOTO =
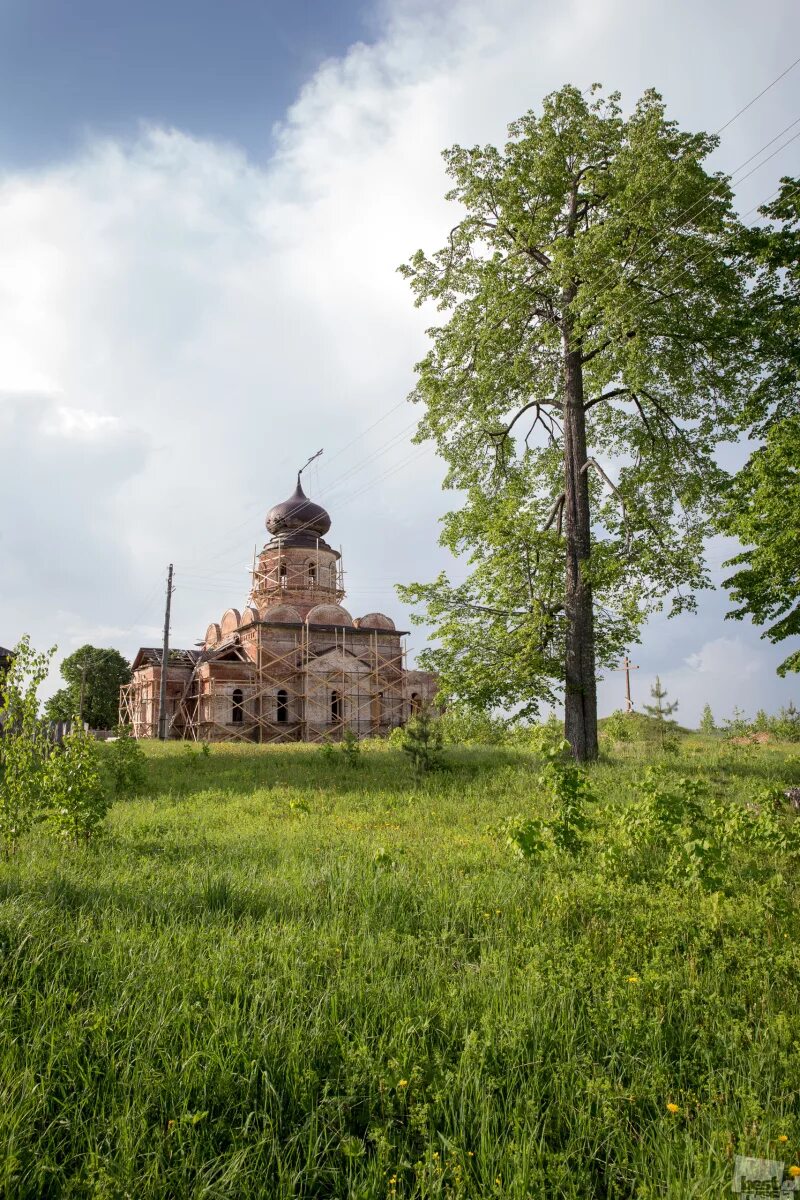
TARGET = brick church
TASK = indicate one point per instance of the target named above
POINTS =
(294, 666)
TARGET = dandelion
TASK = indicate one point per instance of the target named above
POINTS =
(794, 1172)
(402, 1083)
(673, 1108)
(783, 1138)
(633, 979)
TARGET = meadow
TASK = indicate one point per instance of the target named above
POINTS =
(280, 974)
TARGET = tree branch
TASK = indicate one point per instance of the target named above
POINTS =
(620, 391)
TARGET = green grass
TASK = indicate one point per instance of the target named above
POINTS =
(279, 976)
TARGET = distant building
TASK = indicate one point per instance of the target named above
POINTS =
(294, 666)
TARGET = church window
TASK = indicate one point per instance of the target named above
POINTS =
(416, 703)
(283, 575)
(336, 706)
(237, 715)
(283, 707)
(312, 574)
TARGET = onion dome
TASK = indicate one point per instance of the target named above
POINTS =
(298, 520)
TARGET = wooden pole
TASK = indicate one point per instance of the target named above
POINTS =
(162, 700)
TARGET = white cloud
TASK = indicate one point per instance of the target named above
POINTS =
(181, 326)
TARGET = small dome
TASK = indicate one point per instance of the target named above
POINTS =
(298, 518)
(213, 634)
(231, 620)
(329, 614)
(249, 616)
(283, 614)
(375, 621)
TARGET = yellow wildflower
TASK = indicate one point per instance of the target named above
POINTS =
(783, 1138)
(673, 1108)
(633, 979)
(794, 1172)
(401, 1083)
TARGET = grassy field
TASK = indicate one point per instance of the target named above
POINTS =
(279, 975)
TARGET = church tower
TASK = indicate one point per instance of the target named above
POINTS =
(297, 567)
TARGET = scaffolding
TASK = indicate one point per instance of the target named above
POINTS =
(288, 692)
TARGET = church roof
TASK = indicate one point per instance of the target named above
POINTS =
(298, 521)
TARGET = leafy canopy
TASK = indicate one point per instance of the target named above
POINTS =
(99, 673)
(606, 231)
(762, 504)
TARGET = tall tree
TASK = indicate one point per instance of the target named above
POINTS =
(93, 677)
(596, 314)
(762, 503)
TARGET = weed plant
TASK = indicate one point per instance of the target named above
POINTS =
(275, 978)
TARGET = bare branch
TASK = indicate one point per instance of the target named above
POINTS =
(555, 511)
(592, 462)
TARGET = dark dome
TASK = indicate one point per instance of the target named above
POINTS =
(298, 516)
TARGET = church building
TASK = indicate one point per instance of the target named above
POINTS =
(294, 666)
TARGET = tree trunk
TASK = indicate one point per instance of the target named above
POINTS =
(580, 718)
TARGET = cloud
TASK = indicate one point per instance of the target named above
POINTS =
(180, 326)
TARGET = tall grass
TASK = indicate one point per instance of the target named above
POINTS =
(282, 976)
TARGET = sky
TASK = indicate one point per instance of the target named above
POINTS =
(202, 209)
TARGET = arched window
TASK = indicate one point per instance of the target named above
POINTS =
(312, 574)
(336, 707)
(283, 706)
(283, 575)
(237, 716)
(416, 703)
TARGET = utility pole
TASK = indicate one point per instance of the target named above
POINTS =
(627, 667)
(83, 688)
(162, 699)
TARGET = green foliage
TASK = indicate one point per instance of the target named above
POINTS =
(594, 248)
(127, 763)
(680, 832)
(619, 726)
(97, 674)
(462, 725)
(76, 793)
(350, 747)
(707, 723)
(422, 741)
(568, 792)
(762, 504)
(23, 744)
(269, 983)
(660, 712)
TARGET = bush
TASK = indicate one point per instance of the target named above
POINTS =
(23, 745)
(126, 762)
(75, 790)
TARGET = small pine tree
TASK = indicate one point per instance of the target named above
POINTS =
(661, 711)
(707, 722)
(422, 741)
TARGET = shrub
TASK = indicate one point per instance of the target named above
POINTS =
(126, 762)
(350, 747)
(565, 828)
(23, 745)
(74, 783)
